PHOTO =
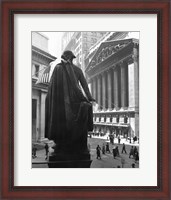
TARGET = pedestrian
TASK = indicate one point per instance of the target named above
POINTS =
(98, 149)
(119, 139)
(135, 151)
(134, 139)
(131, 153)
(133, 165)
(47, 151)
(112, 138)
(115, 152)
(130, 140)
(34, 150)
(103, 149)
(107, 148)
(136, 157)
(124, 148)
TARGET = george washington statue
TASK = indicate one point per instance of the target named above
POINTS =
(68, 111)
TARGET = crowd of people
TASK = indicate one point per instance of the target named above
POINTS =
(106, 148)
(133, 153)
(114, 136)
(118, 137)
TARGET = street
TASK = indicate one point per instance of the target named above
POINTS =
(106, 161)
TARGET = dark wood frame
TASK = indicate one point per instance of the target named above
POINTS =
(9, 9)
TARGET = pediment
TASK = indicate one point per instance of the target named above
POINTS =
(105, 50)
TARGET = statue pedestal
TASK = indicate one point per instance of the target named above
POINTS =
(69, 161)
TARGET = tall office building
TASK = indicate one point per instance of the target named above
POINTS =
(80, 43)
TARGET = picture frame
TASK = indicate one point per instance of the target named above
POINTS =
(9, 9)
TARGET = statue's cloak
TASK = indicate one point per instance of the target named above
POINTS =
(68, 114)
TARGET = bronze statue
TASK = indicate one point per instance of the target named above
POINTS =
(68, 112)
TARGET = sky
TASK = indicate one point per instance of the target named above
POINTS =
(54, 43)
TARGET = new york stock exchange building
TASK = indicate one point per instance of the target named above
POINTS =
(113, 76)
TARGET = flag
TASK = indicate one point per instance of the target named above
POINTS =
(47, 73)
(44, 77)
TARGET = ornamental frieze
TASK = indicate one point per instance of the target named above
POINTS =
(105, 51)
(112, 63)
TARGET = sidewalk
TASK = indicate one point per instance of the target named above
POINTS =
(107, 160)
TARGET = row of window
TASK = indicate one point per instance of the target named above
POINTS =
(125, 119)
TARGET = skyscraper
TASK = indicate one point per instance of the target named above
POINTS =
(80, 43)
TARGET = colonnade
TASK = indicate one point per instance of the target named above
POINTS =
(118, 86)
(110, 88)
(117, 89)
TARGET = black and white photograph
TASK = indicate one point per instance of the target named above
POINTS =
(85, 99)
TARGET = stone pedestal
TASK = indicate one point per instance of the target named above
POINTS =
(69, 161)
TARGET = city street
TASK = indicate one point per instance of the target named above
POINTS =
(106, 161)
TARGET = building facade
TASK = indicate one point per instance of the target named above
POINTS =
(106, 37)
(80, 43)
(40, 61)
(113, 74)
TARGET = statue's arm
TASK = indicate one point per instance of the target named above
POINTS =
(85, 86)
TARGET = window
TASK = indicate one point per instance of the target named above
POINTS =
(125, 119)
(36, 70)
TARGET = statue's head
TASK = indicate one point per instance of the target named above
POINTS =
(68, 55)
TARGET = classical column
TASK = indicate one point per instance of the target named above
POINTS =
(133, 75)
(34, 118)
(115, 88)
(91, 82)
(95, 88)
(136, 75)
(104, 90)
(42, 116)
(99, 92)
(109, 89)
(124, 85)
(136, 79)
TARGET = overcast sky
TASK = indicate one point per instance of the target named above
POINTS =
(54, 43)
